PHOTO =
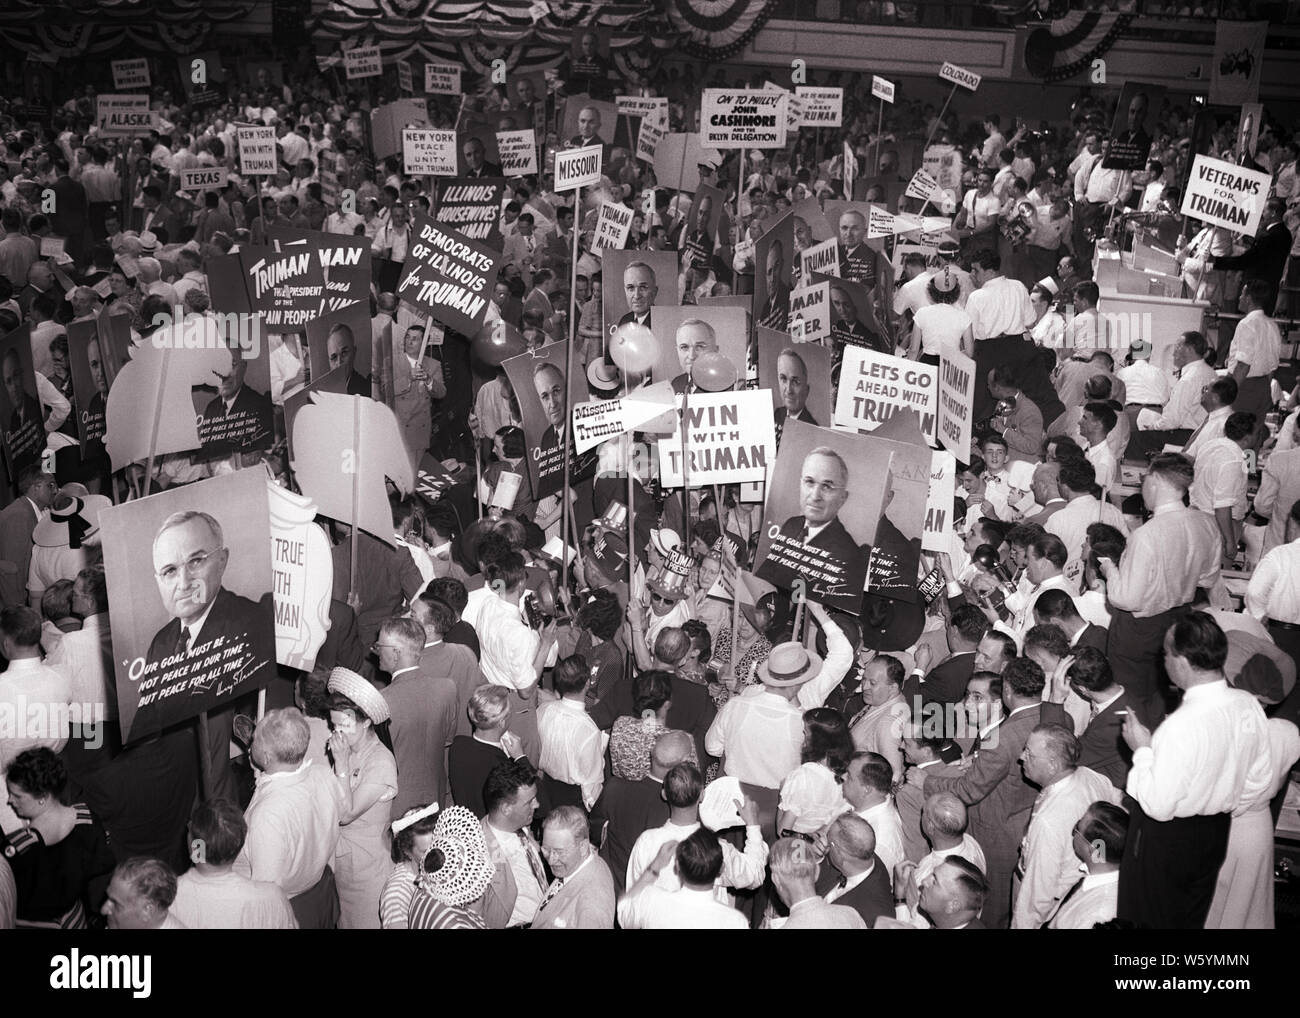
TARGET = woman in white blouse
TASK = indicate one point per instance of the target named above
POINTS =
(941, 328)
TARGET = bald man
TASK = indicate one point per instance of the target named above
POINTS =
(853, 874)
(588, 128)
(341, 349)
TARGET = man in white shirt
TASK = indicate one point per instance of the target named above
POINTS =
(1048, 866)
(1147, 387)
(293, 819)
(943, 821)
(1208, 756)
(994, 142)
(44, 329)
(190, 263)
(1217, 398)
(1087, 330)
(683, 786)
(760, 731)
(1255, 350)
(698, 860)
(1099, 839)
(1219, 487)
(1077, 479)
(573, 748)
(1096, 423)
(212, 896)
(867, 787)
(85, 655)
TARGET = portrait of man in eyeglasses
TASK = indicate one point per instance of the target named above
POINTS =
(189, 561)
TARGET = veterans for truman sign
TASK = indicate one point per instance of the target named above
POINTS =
(746, 118)
(128, 115)
(730, 439)
(875, 386)
(1226, 195)
(429, 153)
(449, 274)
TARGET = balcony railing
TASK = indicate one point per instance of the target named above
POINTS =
(977, 14)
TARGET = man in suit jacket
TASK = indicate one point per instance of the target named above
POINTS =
(1266, 257)
(238, 418)
(995, 789)
(924, 754)
(824, 488)
(793, 388)
(71, 210)
(416, 380)
(626, 809)
(695, 338)
(423, 709)
(640, 289)
(776, 309)
(519, 882)
(451, 660)
(1057, 608)
(855, 876)
(946, 681)
(476, 164)
(17, 524)
(1101, 746)
(581, 897)
(189, 560)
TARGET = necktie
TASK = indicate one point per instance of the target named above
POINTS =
(1195, 434)
(182, 642)
(805, 535)
(534, 860)
(551, 892)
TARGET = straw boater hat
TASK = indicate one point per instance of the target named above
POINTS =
(789, 664)
(671, 579)
(461, 869)
(603, 377)
(665, 541)
(72, 520)
(360, 692)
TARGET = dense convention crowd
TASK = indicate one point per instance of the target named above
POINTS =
(1092, 723)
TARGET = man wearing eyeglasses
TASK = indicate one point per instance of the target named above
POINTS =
(189, 561)
(837, 574)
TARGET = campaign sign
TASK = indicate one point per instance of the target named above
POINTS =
(517, 151)
(131, 74)
(743, 118)
(258, 155)
(203, 178)
(822, 107)
(473, 206)
(577, 167)
(363, 62)
(448, 274)
(429, 153)
(1226, 195)
(956, 398)
(968, 80)
(875, 386)
(730, 438)
(194, 565)
(127, 116)
(442, 79)
(882, 89)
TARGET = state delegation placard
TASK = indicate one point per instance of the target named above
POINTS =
(127, 116)
(203, 178)
(448, 274)
(743, 118)
(1226, 195)
(429, 153)
(730, 439)
(577, 167)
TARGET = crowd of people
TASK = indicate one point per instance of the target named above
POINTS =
(1092, 723)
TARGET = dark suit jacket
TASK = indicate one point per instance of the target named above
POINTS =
(257, 429)
(358, 385)
(1265, 258)
(486, 170)
(870, 899)
(835, 540)
(624, 811)
(17, 523)
(231, 616)
(468, 766)
(631, 317)
(994, 787)
(1093, 636)
(780, 415)
(692, 710)
(1102, 746)
(945, 683)
(32, 424)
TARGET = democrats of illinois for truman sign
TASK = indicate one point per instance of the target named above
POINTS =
(449, 275)
(194, 564)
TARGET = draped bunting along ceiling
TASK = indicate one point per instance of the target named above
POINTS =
(1070, 44)
(74, 28)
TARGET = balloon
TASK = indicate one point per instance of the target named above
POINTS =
(713, 372)
(633, 348)
(496, 342)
